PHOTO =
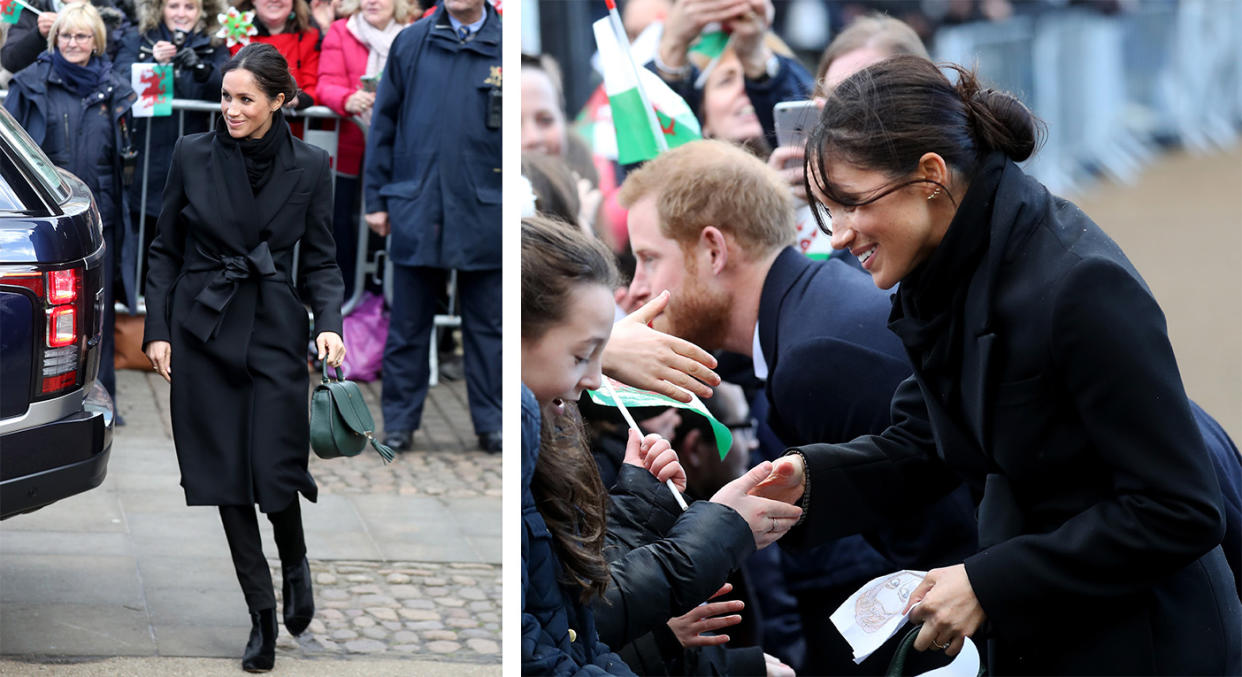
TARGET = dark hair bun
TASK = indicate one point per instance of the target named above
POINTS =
(269, 68)
(999, 120)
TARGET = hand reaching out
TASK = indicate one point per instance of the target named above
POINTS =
(707, 617)
(645, 358)
(768, 519)
(786, 482)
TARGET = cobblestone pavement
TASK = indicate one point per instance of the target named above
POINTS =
(444, 461)
(450, 611)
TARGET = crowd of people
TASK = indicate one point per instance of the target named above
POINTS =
(972, 381)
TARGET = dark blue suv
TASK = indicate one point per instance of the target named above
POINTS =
(55, 417)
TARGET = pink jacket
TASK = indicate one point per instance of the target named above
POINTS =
(343, 60)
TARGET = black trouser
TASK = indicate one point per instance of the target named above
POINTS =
(241, 527)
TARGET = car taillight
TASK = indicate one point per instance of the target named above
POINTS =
(62, 286)
(62, 326)
(60, 293)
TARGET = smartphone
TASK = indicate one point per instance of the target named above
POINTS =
(369, 83)
(794, 120)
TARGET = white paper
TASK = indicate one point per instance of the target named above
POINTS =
(873, 614)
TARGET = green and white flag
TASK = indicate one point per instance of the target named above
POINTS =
(711, 42)
(634, 397)
(154, 85)
(636, 138)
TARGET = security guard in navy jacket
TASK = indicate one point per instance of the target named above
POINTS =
(432, 181)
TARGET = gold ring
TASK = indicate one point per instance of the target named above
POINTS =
(941, 647)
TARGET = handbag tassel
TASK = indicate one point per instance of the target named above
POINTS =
(383, 450)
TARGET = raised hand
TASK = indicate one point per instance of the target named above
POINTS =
(655, 455)
(645, 358)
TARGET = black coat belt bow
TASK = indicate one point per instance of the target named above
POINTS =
(207, 312)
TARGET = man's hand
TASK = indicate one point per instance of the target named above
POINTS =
(768, 519)
(786, 482)
(378, 223)
(642, 357)
(707, 617)
(46, 19)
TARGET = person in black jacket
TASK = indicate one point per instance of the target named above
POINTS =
(177, 32)
(226, 314)
(1044, 379)
(77, 108)
(28, 37)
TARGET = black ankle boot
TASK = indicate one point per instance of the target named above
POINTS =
(260, 653)
(299, 602)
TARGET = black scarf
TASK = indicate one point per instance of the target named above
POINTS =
(928, 310)
(258, 154)
(81, 80)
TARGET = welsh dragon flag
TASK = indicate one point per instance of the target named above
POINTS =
(11, 10)
(636, 138)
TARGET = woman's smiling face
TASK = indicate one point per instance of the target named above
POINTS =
(891, 235)
(181, 15)
(247, 110)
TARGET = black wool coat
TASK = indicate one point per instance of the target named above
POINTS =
(220, 290)
(1099, 513)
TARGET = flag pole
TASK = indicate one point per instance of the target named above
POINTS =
(606, 386)
(614, 18)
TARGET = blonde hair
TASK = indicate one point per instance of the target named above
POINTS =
(79, 14)
(877, 31)
(402, 10)
(715, 183)
(151, 15)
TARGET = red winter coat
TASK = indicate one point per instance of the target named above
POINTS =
(344, 62)
(299, 49)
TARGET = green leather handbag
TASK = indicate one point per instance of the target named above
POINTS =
(340, 422)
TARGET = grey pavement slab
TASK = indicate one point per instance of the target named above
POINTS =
(63, 543)
(75, 629)
(70, 579)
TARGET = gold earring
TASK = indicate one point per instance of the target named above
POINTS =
(933, 195)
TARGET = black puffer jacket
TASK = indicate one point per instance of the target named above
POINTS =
(664, 562)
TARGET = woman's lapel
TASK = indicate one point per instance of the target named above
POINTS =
(235, 202)
(273, 196)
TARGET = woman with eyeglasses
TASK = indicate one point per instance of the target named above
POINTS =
(1043, 379)
(77, 108)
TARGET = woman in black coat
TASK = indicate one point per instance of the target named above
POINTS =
(224, 315)
(76, 106)
(1044, 380)
(181, 33)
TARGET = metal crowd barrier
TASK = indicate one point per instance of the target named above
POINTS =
(1111, 87)
(378, 267)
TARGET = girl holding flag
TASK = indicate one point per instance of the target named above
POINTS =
(567, 282)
